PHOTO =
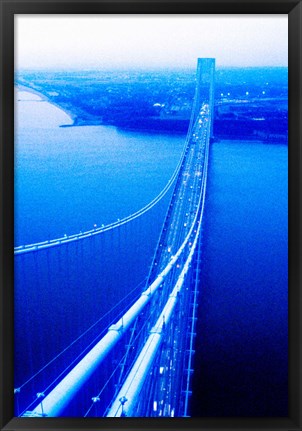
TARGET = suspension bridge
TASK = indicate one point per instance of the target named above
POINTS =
(137, 359)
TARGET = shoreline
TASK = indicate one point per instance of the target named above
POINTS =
(78, 121)
(45, 98)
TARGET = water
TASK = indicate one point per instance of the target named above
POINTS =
(68, 179)
(241, 359)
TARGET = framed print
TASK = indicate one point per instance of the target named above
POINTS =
(150, 215)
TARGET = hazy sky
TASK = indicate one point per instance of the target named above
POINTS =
(145, 41)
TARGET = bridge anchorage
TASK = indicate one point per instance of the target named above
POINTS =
(150, 349)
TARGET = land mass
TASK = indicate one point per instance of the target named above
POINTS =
(249, 103)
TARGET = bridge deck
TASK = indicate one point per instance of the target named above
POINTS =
(171, 264)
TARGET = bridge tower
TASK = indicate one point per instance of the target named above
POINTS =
(205, 86)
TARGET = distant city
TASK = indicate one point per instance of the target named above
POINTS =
(250, 103)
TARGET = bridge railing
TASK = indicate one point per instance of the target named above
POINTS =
(136, 377)
(55, 401)
(60, 396)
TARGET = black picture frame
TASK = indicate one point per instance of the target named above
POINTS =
(7, 9)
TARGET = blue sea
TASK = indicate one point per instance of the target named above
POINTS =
(68, 179)
(71, 179)
(241, 345)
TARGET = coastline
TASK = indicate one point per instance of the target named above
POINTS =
(45, 98)
(80, 118)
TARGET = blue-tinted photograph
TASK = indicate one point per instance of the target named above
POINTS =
(151, 216)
